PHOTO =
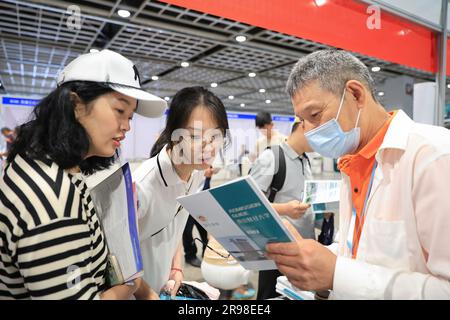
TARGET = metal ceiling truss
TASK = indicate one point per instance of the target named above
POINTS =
(36, 42)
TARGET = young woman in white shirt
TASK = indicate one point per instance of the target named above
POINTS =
(196, 129)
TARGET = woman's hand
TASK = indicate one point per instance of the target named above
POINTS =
(144, 292)
(152, 295)
(121, 292)
(138, 287)
(176, 272)
(175, 279)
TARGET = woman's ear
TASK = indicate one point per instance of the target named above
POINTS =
(79, 106)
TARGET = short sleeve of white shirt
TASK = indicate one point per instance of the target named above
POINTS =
(143, 183)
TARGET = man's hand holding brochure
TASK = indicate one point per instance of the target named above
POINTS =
(242, 220)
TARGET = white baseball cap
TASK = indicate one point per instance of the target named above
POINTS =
(119, 73)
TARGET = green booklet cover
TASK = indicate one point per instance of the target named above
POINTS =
(241, 219)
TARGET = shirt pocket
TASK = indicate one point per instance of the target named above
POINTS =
(387, 244)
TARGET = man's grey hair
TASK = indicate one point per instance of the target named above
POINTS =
(332, 68)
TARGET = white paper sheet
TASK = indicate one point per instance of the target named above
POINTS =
(321, 191)
(115, 205)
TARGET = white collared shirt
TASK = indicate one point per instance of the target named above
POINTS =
(160, 228)
(404, 246)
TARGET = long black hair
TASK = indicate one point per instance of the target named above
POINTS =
(53, 133)
(180, 109)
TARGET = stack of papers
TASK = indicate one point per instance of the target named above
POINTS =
(115, 204)
(241, 219)
(286, 289)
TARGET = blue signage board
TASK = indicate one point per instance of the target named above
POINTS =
(20, 101)
(232, 115)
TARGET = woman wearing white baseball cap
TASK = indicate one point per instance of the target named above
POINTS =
(52, 244)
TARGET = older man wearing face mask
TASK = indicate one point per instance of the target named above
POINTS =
(394, 210)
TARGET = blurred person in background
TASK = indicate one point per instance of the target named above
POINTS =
(270, 136)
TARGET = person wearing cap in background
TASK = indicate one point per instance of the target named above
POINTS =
(52, 244)
(394, 210)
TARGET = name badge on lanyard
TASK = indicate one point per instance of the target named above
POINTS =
(351, 241)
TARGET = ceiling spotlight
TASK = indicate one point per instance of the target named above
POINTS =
(268, 101)
(213, 85)
(231, 97)
(242, 105)
(448, 86)
(381, 93)
(252, 74)
(124, 13)
(262, 90)
(185, 64)
(166, 98)
(94, 50)
(375, 69)
(154, 78)
(240, 38)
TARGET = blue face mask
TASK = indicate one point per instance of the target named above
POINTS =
(330, 140)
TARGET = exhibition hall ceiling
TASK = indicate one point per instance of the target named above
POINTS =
(38, 38)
